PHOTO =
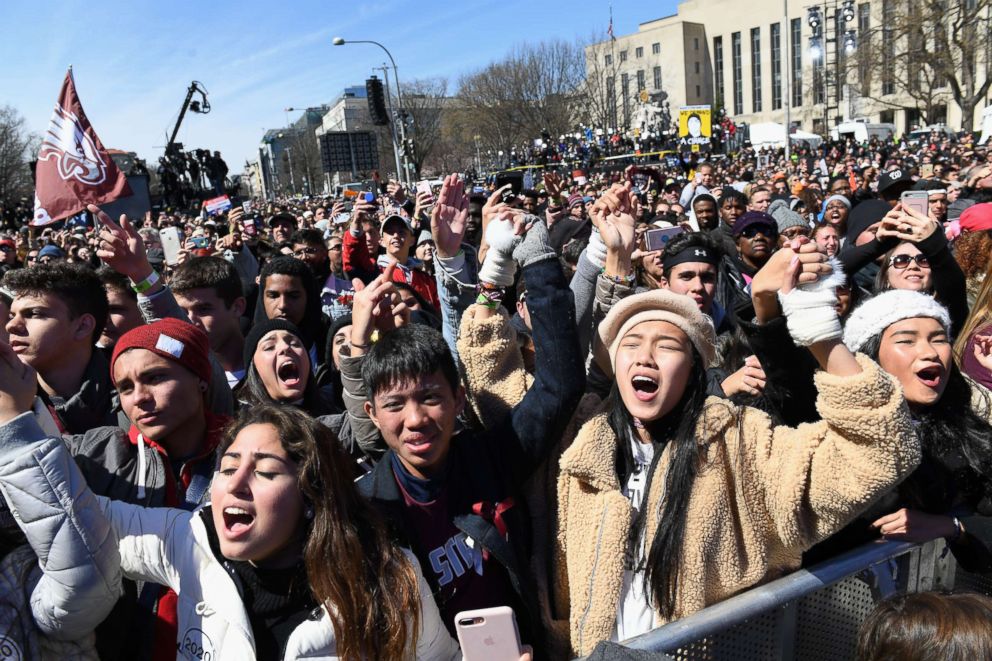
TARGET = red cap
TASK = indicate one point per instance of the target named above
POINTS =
(977, 217)
(8, 242)
(176, 340)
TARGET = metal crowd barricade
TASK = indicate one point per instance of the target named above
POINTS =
(812, 613)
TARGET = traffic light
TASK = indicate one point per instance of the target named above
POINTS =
(377, 102)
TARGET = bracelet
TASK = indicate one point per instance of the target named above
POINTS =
(146, 284)
(627, 280)
(485, 302)
(489, 295)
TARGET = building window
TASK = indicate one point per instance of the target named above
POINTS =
(623, 56)
(639, 52)
(776, 66)
(887, 117)
(697, 67)
(888, 47)
(625, 95)
(695, 43)
(735, 53)
(611, 95)
(656, 49)
(755, 69)
(796, 48)
(698, 92)
(640, 79)
(608, 60)
(864, 45)
(718, 71)
(657, 78)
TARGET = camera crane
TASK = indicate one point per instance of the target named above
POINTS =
(201, 106)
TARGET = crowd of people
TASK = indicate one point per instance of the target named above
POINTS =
(323, 427)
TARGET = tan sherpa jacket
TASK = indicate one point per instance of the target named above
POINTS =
(763, 495)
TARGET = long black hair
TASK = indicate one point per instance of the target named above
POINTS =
(677, 429)
(952, 424)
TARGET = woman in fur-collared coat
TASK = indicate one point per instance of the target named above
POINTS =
(668, 500)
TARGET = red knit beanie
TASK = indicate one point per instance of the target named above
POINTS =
(176, 340)
(977, 218)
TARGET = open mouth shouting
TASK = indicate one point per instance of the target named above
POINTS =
(288, 373)
(931, 377)
(645, 387)
(237, 522)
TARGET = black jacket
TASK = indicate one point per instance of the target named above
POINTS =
(490, 466)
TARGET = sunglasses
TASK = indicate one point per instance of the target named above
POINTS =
(902, 261)
(303, 252)
(752, 231)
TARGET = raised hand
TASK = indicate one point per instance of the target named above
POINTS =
(614, 216)
(553, 185)
(396, 191)
(983, 351)
(120, 246)
(907, 225)
(449, 216)
(372, 302)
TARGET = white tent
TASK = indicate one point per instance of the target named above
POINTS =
(772, 134)
(986, 126)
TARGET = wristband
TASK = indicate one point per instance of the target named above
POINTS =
(488, 295)
(146, 284)
(627, 280)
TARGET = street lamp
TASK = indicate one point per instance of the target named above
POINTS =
(339, 41)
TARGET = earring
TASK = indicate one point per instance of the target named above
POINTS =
(308, 513)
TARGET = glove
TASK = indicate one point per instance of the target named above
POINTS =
(499, 267)
(535, 247)
(809, 310)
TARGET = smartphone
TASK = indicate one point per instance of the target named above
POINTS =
(514, 179)
(917, 200)
(171, 244)
(249, 227)
(425, 187)
(488, 634)
(926, 171)
(368, 197)
(201, 241)
(658, 238)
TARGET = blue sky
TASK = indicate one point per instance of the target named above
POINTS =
(133, 61)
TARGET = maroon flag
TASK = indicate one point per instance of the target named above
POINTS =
(73, 167)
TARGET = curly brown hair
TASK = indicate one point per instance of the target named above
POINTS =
(972, 251)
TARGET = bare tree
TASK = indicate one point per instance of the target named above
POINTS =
(532, 89)
(599, 92)
(15, 153)
(921, 54)
(426, 102)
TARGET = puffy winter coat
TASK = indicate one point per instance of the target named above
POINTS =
(763, 495)
(85, 543)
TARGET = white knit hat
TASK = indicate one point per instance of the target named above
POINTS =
(655, 305)
(879, 312)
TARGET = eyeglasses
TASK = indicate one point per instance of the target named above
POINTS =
(303, 252)
(336, 246)
(32, 258)
(902, 261)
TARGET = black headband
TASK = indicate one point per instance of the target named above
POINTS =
(690, 254)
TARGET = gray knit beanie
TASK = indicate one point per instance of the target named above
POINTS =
(784, 216)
